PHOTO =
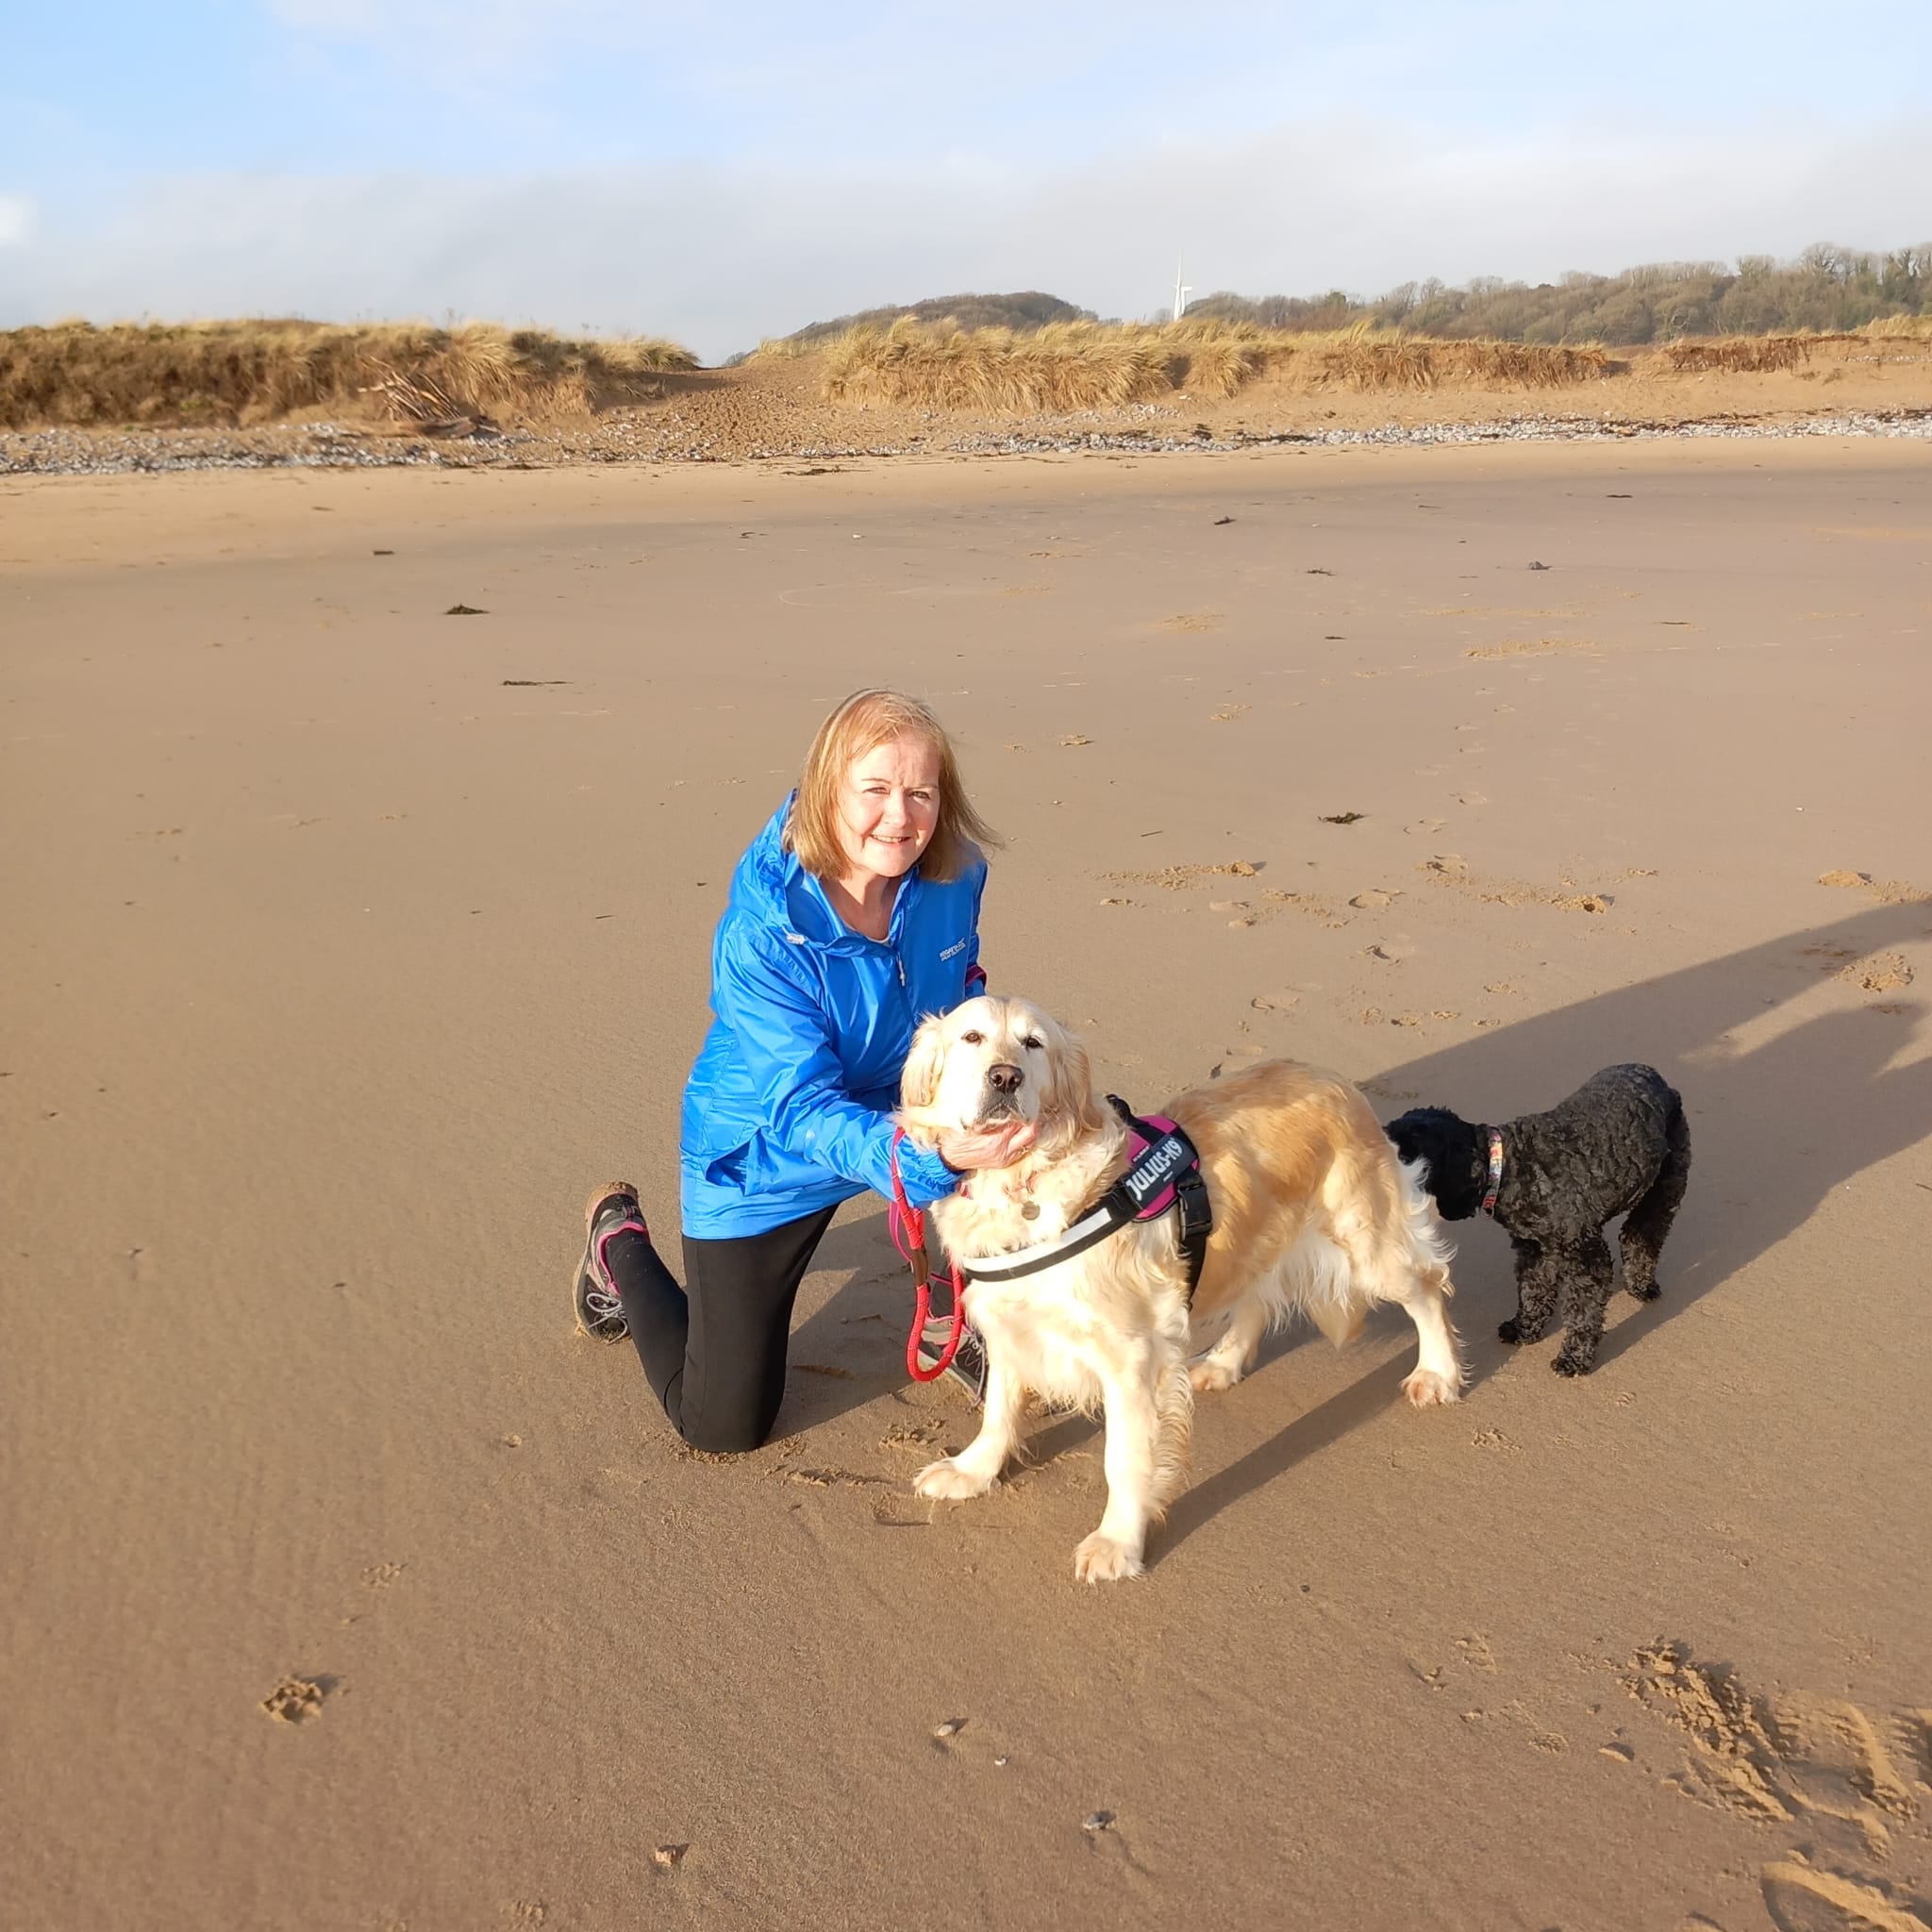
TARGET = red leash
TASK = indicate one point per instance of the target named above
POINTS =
(908, 1225)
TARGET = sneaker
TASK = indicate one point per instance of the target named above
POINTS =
(611, 1209)
(968, 1366)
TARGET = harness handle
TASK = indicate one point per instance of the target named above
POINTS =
(906, 1224)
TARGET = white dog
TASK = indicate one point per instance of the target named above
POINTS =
(1312, 1210)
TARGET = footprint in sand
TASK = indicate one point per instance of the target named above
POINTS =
(1853, 1780)
(828, 1478)
(1881, 973)
(916, 1436)
(1804, 1897)
(1391, 952)
(1531, 647)
(1375, 895)
(295, 1700)
(1886, 891)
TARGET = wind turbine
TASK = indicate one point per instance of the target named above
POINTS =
(1181, 291)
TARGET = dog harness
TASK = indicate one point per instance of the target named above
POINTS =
(1495, 1171)
(1163, 1176)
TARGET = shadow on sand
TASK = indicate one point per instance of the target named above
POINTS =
(1781, 1113)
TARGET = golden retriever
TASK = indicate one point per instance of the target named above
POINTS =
(1312, 1211)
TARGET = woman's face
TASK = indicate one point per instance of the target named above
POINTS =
(889, 804)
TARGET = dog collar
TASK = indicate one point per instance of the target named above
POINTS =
(1495, 1171)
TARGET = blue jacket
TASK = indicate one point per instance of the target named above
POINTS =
(787, 1110)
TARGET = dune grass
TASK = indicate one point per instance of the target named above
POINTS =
(1085, 365)
(230, 374)
(1762, 355)
(1916, 328)
(1734, 355)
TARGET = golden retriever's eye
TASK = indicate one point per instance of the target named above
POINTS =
(1033, 1043)
(974, 1038)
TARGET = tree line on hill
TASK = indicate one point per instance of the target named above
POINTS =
(1827, 288)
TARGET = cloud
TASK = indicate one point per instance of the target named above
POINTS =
(719, 255)
(1048, 78)
(16, 220)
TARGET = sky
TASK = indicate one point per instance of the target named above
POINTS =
(720, 175)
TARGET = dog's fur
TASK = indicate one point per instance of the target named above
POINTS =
(1619, 1144)
(1312, 1211)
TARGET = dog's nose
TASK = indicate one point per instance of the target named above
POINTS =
(1005, 1078)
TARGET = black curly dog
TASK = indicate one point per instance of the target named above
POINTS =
(1619, 1143)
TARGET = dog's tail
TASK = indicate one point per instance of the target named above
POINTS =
(1650, 1220)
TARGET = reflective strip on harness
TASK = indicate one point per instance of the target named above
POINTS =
(1163, 1175)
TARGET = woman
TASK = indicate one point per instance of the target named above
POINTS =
(855, 913)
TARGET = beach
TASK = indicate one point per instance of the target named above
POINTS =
(353, 936)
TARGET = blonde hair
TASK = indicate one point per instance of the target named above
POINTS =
(862, 722)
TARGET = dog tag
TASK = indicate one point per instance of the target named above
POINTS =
(1029, 1211)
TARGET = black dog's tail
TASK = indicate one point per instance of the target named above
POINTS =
(1650, 1220)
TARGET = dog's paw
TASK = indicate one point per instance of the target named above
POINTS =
(946, 1481)
(1212, 1374)
(1511, 1331)
(1645, 1291)
(1566, 1363)
(1104, 1559)
(1425, 1388)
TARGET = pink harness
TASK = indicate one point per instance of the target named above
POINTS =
(1137, 1143)
(1163, 1176)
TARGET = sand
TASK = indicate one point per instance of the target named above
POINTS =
(347, 942)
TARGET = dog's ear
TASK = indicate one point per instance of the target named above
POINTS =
(1446, 1146)
(919, 1079)
(1069, 1102)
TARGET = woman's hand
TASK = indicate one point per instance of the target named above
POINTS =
(987, 1146)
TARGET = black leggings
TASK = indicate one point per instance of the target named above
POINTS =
(715, 1354)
